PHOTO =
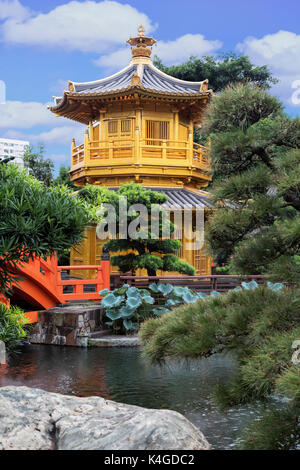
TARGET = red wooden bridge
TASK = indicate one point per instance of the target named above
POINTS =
(43, 284)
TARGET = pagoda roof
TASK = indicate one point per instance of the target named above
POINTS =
(139, 79)
(181, 198)
(150, 77)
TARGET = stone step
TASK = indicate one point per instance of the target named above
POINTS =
(115, 341)
(100, 333)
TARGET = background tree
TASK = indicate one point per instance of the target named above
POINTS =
(34, 219)
(140, 251)
(221, 71)
(63, 177)
(37, 165)
(226, 69)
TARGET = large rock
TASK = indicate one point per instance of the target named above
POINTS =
(38, 420)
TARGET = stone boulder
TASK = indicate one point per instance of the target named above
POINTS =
(32, 419)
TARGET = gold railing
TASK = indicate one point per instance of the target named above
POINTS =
(113, 150)
(200, 156)
(164, 148)
(78, 154)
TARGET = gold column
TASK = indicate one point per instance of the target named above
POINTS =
(176, 125)
(86, 148)
(137, 135)
(191, 143)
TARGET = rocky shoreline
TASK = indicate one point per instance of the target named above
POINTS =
(33, 419)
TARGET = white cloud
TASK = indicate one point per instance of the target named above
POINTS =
(170, 52)
(281, 52)
(88, 26)
(55, 136)
(24, 115)
(13, 9)
(18, 120)
(174, 52)
(60, 135)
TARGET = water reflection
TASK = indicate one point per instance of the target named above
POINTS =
(123, 375)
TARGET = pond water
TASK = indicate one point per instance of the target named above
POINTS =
(122, 374)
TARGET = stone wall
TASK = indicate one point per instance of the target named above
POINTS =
(68, 325)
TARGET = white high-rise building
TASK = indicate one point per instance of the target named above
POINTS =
(13, 148)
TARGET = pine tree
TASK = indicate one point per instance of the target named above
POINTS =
(255, 228)
(255, 152)
(148, 250)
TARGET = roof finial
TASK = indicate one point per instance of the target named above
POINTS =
(141, 31)
(141, 44)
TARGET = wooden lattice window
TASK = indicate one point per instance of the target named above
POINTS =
(157, 131)
(112, 127)
(119, 127)
(126, 126)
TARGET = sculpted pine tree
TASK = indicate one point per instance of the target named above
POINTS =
(147, 250)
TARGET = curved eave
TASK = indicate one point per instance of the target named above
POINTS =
(132, 68)
(174, 79)
(129, 91)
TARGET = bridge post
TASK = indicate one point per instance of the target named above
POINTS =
(105, 266)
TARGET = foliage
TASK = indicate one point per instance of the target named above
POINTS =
(132, 305)
(93, 197)
(256, 324)
(276, 430)
(12, 323)
(126, 306)
(34, 219)
(174, 295)
(6, 159)
(221, 71)
(147, 250)
(255, 154)
(63, 177)
(37, 165)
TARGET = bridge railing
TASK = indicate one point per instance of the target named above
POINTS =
(48, 276)
(83, 289)
(206, 284)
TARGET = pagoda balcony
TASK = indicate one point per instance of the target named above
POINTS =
(132, 156)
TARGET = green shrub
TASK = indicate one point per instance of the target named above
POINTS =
(128, 306)
(12, 326)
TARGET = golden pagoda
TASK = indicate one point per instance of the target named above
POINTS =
(140, 128)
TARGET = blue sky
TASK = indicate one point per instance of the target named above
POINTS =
(44, 44)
